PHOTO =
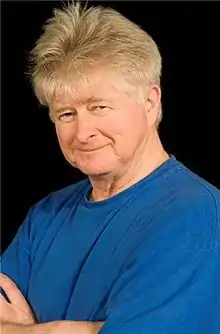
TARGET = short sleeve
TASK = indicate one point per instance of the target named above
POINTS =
(15, 261)
(167, 292)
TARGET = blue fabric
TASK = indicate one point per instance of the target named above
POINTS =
(144, 261)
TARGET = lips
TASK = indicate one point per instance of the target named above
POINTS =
(91, 150)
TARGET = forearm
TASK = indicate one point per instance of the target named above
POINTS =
(55, 327)
(10, 328)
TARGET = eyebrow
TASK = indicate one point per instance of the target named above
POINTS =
(92, 99)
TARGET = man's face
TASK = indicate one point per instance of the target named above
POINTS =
(100, 128)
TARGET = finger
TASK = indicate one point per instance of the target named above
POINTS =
(11, 290)
(3, 308)
(2, 300)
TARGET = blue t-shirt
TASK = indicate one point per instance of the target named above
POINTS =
(146, 261)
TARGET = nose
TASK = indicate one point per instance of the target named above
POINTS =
(85, 128)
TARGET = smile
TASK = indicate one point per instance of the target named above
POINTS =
(90, 151)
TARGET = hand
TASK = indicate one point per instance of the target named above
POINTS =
(16, 311)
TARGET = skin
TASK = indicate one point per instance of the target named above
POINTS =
(110, 137)
(17, 317)
(17, 309)
(105, 133)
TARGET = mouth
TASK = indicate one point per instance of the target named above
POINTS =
(91, 150)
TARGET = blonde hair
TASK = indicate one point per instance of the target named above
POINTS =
(77, 39)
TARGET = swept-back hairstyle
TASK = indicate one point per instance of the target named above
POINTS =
(77, 39)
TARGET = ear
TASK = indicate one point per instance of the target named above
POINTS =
(152, 103)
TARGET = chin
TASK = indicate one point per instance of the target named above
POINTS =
(95, 165)
(94, 171)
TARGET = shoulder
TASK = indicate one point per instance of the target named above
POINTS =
(55, 206)
(62, 198)
(186, 213)
(196, 192)
(183, 186)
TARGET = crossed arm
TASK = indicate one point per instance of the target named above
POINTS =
(56, 327)
(17, 317)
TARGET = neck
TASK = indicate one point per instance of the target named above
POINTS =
(150, 158)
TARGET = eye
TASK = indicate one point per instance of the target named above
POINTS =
(99, 109)
(67, 116)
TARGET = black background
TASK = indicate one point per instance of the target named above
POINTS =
(187, 34)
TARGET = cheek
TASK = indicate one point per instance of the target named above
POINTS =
(123, 136)
(65, 135)
(131, 125)
(131, 132)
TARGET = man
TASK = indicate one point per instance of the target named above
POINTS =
(134, 248)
